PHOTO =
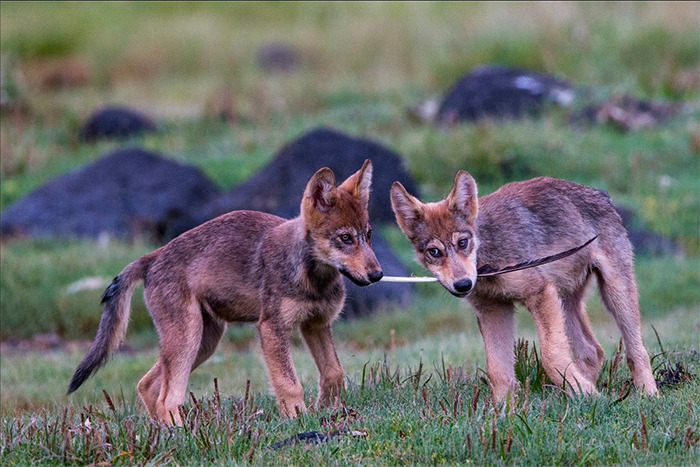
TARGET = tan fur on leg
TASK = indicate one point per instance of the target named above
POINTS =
(319, 339)
(588, 352)
(149, 388)
(212, 330)
(546, 308)
(621, 298)
(178, 355)
(497, 326)
(276, 346)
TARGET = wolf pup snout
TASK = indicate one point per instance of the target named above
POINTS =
(376, 276)
(463, 286)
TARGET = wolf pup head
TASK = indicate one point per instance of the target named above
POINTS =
(443, 233)
(337, 223)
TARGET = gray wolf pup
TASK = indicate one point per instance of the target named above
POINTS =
(247, 266)
(520, 221)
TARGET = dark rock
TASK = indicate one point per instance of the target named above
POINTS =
(493, 91)
(316, 437)
(648, 243)
(362, 301)
(278, 56)
(669, 375)
(130, 192)
(115, 123)
(627, 113)
(644, 241)
(278, 187)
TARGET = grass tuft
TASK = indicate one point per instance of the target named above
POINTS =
(450, 419)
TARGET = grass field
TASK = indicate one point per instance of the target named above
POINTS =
(414, 376)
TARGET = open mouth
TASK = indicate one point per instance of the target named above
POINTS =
(355, 280)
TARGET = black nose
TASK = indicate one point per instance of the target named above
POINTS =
(463, 285)
(375, 276)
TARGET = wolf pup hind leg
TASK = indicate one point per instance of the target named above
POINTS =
(248, 266)
(518, 222)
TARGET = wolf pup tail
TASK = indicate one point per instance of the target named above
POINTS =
(115, 317)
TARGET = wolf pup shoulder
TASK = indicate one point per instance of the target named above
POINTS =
(248, 266)
(518, 222)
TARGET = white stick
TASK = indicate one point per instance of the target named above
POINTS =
(407, 279)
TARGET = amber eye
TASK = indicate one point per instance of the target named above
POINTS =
(346, 238)
(462, 243)
(434, 252)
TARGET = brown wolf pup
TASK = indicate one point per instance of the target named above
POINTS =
(252, 267)
(522, 221)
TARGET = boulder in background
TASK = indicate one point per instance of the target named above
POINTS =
(278, 187)
(128, 193)
(498, 92)
(115, 123)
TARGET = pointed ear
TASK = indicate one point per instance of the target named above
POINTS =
(408, 209)
(359, 183)
(464, 198)
(320, 191)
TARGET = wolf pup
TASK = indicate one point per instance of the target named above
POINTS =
(521, 221)
(248, 266)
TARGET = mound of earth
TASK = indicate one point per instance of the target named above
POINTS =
(58, 73)
(627, 113)
(279, 57)
(498, 92)
(128, 193)
(278, 187)
(115, 123)
(644, 241)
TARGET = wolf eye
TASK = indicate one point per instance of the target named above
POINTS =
(434, 252)
(462, 243)
(346, 238)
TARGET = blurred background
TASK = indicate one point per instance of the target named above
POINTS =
(611, 100)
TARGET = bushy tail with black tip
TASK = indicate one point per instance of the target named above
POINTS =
(115, 317)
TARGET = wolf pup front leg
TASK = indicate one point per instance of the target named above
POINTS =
(247, 266)
(333, 237)
(520, 221)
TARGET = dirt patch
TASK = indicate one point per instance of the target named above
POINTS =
(58, 73)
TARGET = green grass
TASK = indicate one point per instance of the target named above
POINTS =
(414, 375)
(37, 279)
(416, 404)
